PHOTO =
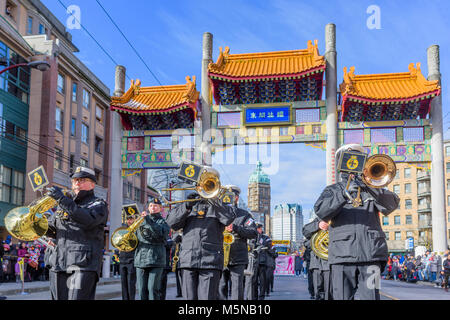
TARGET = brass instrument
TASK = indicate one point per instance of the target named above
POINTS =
(208, 187)
(228, 240)
(175, 257)
(29, 223)
(124, 238)
(379, 171)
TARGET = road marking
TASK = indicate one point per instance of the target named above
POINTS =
(388, 296)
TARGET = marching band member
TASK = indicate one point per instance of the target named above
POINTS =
(127, 269)
(201, 253)
(150, 256)
(357, 249)
(243, 228)
(78, 227)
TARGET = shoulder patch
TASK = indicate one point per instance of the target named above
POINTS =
(249, 222)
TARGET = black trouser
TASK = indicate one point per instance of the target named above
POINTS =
(262, 278)
(236, 275)
(270, 279)
(321, 281)
(310, 282)
(200, 284)
(446, 276)
(128, 280)
(79, 285)
(347, 278)
(178, 280)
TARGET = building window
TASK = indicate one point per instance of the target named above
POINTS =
(30, 25)
(396, 219)
(407, 173)
(407, 187)
(409, 234)
(137, 195)
(12, 186)
(447, 151)
(42, 29)
(387, 235)
(408, 204)
(59, 119)
(448, 217)
(448, 184)
(408, 219)
(98, 145)
(99, 113)
(398, 235)
(86, 98)
(385, 221)
(83, 162)
(307, 115)
(98, 176)
(354, 136)
(61, 83)
(84, 133)
(413, 134)
(71, 163)
(73, 127)
(58, 159)
(74, 91)
(397, 188)
(448, 200)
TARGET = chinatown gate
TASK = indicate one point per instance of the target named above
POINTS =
(276, 97)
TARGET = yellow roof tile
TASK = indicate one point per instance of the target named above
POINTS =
(388, 86)
(257, 65)
(156, 99)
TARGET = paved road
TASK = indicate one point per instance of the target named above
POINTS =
(285, 288)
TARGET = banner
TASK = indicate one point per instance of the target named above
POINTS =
(285, 265)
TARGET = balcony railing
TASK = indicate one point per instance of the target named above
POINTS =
(424, 191)
(425, 224)
(424, 175)
(424, 207)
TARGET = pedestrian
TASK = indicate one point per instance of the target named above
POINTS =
(201, 254)
(168, 245)
(78, 227)
(433, 267)
(150, 256)
(357, 244)
(446, 270)
(22, 257)
(251, 276)
(115, 263)
(263, 242)
(242, 229)
(298, 264)
(270, 262)
(127, 269)
(395, 268)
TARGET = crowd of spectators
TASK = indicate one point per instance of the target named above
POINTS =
(430, 267)
(32, 255)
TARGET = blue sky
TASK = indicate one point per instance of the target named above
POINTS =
(168, 35)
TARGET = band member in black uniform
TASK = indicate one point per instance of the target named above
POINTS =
(270, 262)
(307, 261)
(319, 267)
(201, 252)
(127, 269)
(251, 272)
(167, 268)
(78, 227)
(242, 228)
(150, 257)
(357, 249)
(263, 245)
(175, 252)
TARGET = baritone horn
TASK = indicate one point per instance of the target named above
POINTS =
(124, 238)
(378, 172)
(29, 223)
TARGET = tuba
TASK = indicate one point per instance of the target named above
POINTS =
(124, 238)
(29, 223)
(379, 171)
(228, 240)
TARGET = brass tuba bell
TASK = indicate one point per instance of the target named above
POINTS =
(228, 240)
(124, 238)
(319, 244)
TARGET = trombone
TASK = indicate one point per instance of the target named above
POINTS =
(378, 172)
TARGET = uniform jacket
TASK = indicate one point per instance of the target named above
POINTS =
(203, 226)
(78, 227)
(355, 233)
(271, 255)
(152, 235)
(263, 246)
(244, 227)
(309, 230)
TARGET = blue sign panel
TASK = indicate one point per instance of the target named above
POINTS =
(410, 243)
(268, 116)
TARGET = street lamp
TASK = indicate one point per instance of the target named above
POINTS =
(40, 65)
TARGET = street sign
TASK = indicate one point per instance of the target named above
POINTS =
(409, 244)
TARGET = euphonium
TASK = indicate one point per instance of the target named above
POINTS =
(228, 240)
(124, 238)
(29, 223)
(319, 244)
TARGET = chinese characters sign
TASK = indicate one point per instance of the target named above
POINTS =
(268, 116)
